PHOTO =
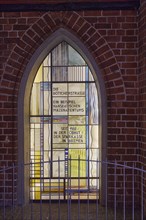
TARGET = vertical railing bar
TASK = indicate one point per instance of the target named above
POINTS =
(70, 189)
(67, 176)
(88, 196)
(40, 191)
(115, 195)
(97, 165)
(124, 191)
(13, 191)
(142, 193)
(88, 182)
(106, 189)
(4, 196)
(22, 213)
(31, 203)
(78, 187)
(59, 188)
(50, 213)
(133, 190)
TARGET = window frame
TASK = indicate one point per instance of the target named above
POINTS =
(24, 101)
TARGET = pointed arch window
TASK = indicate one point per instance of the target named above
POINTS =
(64, 123)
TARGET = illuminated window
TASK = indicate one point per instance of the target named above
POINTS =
(64, 123)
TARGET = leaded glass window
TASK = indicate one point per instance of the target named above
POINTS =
(64, 123)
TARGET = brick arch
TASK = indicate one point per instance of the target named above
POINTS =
(33, 37)
(42, 28)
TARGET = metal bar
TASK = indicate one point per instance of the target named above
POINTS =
(106, 190)
(13, 184)
(50, 212)
(97, 189)
(59, 188)
(88, 198)
(124, 191)
(68, 190)
(78, 187)
(40, 197)
(115, 189)
(133, 190)
(4, 195)
(31, 202)
(142, 193)
(22, 211)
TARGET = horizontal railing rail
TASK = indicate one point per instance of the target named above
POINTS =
(111, 190)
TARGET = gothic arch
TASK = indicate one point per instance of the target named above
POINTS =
(25, 89)
(37, 41)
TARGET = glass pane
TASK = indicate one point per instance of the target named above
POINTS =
(94, 167)
(60, 106)
(60, 146)
(64, 106)
(59, 89)
(60, 55)
(76, 73)
(60, 119)
(76, 105)
(46, 165)
(76, 89)
(58, 167)
(47, 100)
(74, 57)
(47, 137)
(91, 76)
(47, 61)
(37, 139)
(59, 74)
(47, 74)
(39, 75)
(78, 146)
(77, 167)
(35, 120)
(77, 120)
(35, 99)
(60, 133)
(93, 104)
(77, 134)
(93, 136)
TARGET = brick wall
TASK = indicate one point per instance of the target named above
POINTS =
(112, 39)
(142, 85)
(142, 80)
